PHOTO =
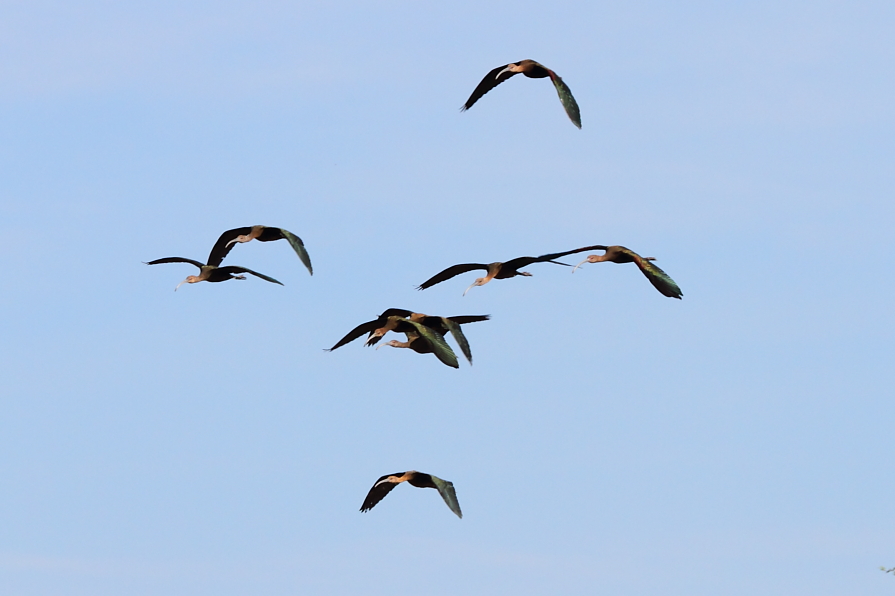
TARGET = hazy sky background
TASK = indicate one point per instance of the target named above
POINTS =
(608, 440)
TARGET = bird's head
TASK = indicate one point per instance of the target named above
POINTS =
(509, 68)
(478, 282)
(240, 238)
(589, 259)
(190, 279)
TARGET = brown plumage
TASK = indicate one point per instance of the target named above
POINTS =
(228, 240)
(499, 270)
(419, 479)
(212, 273)
(619, 254)
(532, 70)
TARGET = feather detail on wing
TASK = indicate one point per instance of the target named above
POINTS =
(450, 272)
(220, 249)
(440, 348)
(488, 83)
(455, 330)
(446, 490)
(567, 99)
(380, 488)
(299, 248)
(660, 280)
(238, 269)
(176, 260)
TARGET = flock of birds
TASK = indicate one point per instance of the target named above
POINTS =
(425, 334)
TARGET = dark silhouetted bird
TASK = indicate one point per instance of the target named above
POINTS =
(532, 70)
(385, 484)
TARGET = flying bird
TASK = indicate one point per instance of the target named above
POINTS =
(211, 273)
(532, 70)
(388, 321)
(261, 233)
(418, 479)
(424, 340)
(619, 254)
(498, 270)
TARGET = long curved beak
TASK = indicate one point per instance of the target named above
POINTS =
(469, 288)
(579, 265)
(180, 284)
(507, 69)
(231, 242)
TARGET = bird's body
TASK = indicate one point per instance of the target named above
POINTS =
(228, 239)
(212, 273)
(532, 70)
(619, 254)
(498, 270)
(423, 340)
(386, 483)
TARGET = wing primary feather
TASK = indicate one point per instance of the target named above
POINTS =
(299, 247)
(450, 272)
(446, 490)
(176, 260)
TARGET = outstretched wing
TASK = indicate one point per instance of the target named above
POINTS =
(176, 260)
(566, 98)
(238, 269)
(660, 280)
(297, 245)
(440, 348)
(550, 257)
(220, 248)
(450, 272)
(463, 319)
(368, 327)
(490, 81)
(455, 330)
(447, 492)
(380, 488)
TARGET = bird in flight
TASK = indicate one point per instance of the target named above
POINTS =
(389, 320)
(619, 254)
(532, 70)
(385, 484)
(212, 273)
(499, 270)
(228, 240)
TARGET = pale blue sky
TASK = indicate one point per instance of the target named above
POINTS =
(607, 440)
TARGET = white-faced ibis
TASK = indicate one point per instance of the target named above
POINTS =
(423, 340)
(619, 254)
(263, 234)
(418, 479)
(211, 273)
(498, 270)
(388, 321)
(532, 70)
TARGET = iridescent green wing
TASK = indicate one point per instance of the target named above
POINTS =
(455, 330)
(299, 248)
(440, 348)
(567, 99)
(660, 280)
(446, 490)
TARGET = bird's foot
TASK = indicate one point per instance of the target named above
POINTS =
(239, 277)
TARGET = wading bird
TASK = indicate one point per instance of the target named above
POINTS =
(388, 321)
(211, 273)
(499, 270)
(424, 340)
(619, 254)
(418, 479)
(532, 70)
(263, 234)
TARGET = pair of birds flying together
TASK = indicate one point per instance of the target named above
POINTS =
(505, 270)
(212, 270)
(425, 333)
